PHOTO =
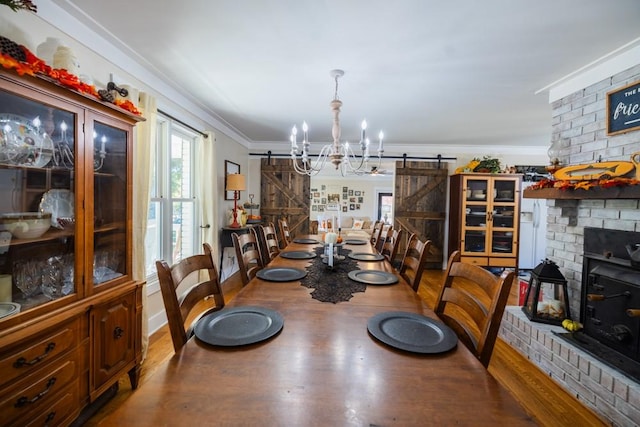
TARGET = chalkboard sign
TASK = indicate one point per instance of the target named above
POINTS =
(623, 109)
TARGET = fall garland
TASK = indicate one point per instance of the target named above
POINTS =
(584, 185)
(34, 65)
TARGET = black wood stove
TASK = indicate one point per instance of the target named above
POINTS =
(610, 300)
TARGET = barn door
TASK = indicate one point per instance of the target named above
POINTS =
(284, 194)
(420, 200)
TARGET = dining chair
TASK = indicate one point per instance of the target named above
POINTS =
(413, 261)
(247, 254)
(385, 233)
(391, 245)
(268, 240)
(179, 307)
(375, 234)
(471, 302)
(285, 235)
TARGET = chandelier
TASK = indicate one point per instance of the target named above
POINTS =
(340, 155)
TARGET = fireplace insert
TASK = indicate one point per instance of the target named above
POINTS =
(610, 300)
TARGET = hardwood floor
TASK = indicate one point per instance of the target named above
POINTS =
(541, 398)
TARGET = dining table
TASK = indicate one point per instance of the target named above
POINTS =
(325, 365)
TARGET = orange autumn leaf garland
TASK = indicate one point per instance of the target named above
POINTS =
(584, 185)
(35, 65)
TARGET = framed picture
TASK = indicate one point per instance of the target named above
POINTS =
(357, 193)
(344, 208)
(333, 198)
(230, 167)
(332, 207)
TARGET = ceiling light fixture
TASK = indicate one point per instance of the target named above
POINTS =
(340, 155)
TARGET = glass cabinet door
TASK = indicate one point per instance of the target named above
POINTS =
(37, 201)
(502, 216)
(110, 183)
(476, 216)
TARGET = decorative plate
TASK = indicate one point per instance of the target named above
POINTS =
(373, 277)
(60, 204)
(238, 326)
(281, 274)
(365, 256)
(22, 144)
(306, 241)
(355, 242)
(412, 332)
(297, 255)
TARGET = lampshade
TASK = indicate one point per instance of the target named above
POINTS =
(235, 182)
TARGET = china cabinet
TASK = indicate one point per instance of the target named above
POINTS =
(65, 251)
(484, 218)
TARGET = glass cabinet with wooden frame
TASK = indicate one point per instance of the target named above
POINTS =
(483, 218)
(69, 307)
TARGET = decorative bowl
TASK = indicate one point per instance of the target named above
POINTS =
(26, 225)
(8, 308)
(506, 194)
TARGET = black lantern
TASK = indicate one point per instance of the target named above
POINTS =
(547, 300)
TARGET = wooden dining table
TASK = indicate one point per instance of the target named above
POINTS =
(323, 368)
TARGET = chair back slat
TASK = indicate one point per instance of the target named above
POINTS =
(472, 301)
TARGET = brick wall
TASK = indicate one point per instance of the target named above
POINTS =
(579, 125)
(615, 397)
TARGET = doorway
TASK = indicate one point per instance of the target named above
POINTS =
(385, 207)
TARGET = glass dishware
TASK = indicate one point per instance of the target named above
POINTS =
(57, 277)
(28, 276)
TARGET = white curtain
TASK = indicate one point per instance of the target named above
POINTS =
(143, 152)
(208, 193)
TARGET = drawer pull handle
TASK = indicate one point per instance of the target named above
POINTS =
(24, 400)
(23, 362)
(118, 332)
(50, 416)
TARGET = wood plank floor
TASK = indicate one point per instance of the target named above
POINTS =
(540, 397)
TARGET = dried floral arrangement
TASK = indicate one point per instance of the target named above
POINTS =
(17, 5)
(23, 61)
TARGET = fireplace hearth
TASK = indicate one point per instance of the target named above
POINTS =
(610, 301)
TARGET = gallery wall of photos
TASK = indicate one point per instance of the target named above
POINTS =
(336, 199)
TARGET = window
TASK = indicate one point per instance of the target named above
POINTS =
(172, 232)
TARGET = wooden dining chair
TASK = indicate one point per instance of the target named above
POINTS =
(413, 261)
(268, 240)
(391, 245)
(385, 233)
(189, 270)
(471, 302)
(375, 234)
(248, 254)
(285, 235)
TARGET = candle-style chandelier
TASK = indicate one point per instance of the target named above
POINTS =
(340, 155)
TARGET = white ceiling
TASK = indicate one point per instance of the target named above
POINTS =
(426, 72)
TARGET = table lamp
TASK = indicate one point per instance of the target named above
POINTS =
(235, 183)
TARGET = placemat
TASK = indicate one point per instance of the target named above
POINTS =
(332, 285)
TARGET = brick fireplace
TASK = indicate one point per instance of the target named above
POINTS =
(579, 124)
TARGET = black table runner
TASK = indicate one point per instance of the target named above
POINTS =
(332, 285)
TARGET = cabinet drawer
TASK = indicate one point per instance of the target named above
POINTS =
(476, 260)
(39, 389)
(63, 409)
(35, 353)
(502, 262)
